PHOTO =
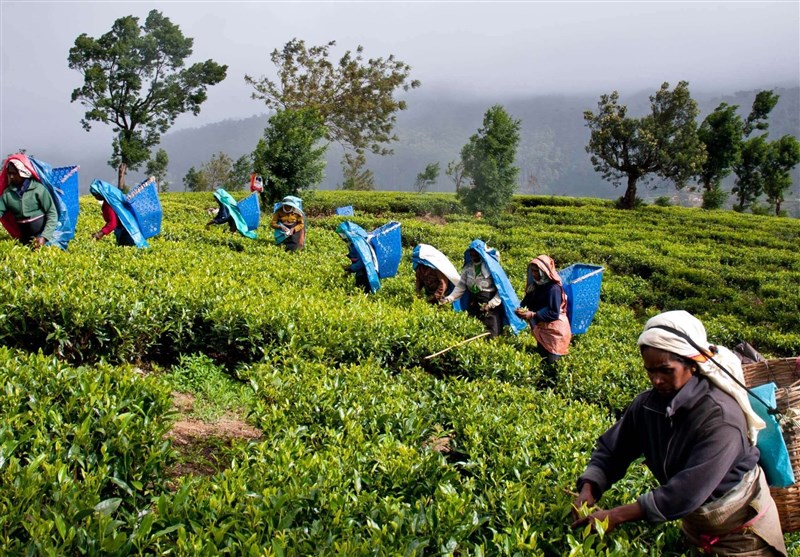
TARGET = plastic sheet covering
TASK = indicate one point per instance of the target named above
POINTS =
(241, 225)
(114, 197)
(490, 258)
(351, 232)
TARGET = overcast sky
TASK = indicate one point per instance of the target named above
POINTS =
(489, 49)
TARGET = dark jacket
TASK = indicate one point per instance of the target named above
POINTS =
(695, 445)
(545, 301)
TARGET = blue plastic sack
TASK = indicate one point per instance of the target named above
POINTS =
(386, 242)
(251, 210)
(62, 186)
(346, 211)
(146, 207)
(581, 284)
(774, 455)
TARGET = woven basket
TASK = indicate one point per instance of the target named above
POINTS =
(785, 373)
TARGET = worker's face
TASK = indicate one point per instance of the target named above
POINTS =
(13, 175)
(667, 374)
(474, 256)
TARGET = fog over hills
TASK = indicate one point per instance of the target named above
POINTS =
(551, 156)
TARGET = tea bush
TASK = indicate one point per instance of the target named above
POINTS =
(368, 446)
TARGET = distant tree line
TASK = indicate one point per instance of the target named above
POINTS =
(136, 81)
(669, 144)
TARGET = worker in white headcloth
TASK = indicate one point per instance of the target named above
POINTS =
(697, 432)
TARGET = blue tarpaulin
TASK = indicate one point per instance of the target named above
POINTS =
(114, 197)
(504, 289)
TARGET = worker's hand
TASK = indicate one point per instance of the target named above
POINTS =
(525, 314)
(97, 235)
(484, 308)
(289, 231)
(584, 502)
(39, 241)
(444, 301)
(599, 516)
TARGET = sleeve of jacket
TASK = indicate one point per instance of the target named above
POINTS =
(51, 214)
(686, 491)
(460, 288)
(110, 217)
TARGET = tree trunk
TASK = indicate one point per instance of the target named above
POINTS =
(629, 199)
(121, 170)
(777, 207)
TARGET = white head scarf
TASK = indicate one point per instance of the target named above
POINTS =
(689, 325)
(21, 170)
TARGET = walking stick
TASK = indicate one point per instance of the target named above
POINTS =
(457, 345)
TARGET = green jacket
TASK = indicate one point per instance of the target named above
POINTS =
(35, 201)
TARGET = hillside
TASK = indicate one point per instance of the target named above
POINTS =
(214, 395)
(435, 128)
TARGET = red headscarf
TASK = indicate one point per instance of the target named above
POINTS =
(8, 220)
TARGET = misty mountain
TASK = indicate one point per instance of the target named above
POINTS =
(551, 157)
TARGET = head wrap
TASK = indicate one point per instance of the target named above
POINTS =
(547, 268)
(21, 169)
(689, 325)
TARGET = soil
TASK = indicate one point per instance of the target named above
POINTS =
(201, 445)
(433, 219)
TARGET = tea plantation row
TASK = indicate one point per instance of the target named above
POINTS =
(367, 448)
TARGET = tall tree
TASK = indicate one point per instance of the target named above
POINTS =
(354, 97)
(427, 177)
(782, 156)
(749, 184)
(764, 166)
(356, 177)
(135, 81)
(455, 170)
(218, 171)
(290, 157)
(662, 143)
(763, 104)
(721, 133)
(240, 173)
(195, 180)
(488, 160)
(157, 168)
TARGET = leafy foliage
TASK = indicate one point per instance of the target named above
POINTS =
(427, 177)
(135, 81)
(367, 446)
(354, 97)
(488, 161)
(157, 168)
(289, 157)
(663, 143)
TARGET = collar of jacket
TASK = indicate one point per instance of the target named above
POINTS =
(688, 396)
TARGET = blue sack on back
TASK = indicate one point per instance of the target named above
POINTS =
(774, 456)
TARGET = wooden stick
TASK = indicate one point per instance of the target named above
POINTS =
(458, 344)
